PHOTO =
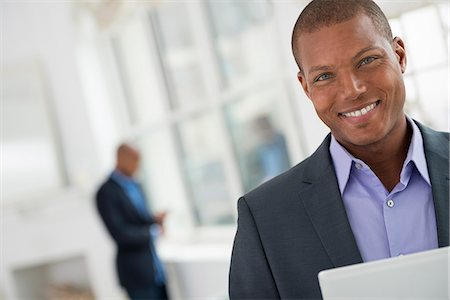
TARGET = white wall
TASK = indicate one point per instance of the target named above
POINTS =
(61, 224)
(43, 32)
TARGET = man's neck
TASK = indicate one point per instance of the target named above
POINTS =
(123, 173)
(387, 156)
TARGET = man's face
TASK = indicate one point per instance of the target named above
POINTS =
(128, 162)
(353, 76)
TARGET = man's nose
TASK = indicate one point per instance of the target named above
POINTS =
(351, 86)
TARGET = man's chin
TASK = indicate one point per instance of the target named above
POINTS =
(357, 141)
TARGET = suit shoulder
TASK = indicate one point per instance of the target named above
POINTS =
(280, 186)
(286, 186)
(435, 141)
(107, 188)
(431, 133)
(445, 135)
(441, 134)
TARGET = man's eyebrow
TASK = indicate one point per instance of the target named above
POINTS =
(319, 68)
(357, 55)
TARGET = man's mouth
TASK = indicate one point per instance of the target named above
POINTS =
(360, 112)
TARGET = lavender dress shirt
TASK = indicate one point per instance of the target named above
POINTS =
(387, 224)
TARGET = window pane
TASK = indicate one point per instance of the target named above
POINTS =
(30, 163)
(424, 38)
(396, 27)
(433, 91)
(202, 152)
(411, 89)
(258, 139)
(413, 104)
(159, 163)
(180, 57)
(139, 71)
(243, 38)
(444, 11)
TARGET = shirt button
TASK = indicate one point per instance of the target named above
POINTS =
(390, 203)
(358, 166)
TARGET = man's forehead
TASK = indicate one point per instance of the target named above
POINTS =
(345, 39)
(343, 26)
(360, 23)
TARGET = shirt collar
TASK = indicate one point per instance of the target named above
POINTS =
(343, 160)
(416, 153)
(121, 178)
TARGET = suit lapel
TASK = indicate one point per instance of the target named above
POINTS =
(321, 198)
(323, 203)
(131, 208)
(436, 148)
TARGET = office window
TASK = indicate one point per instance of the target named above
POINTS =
(427, 70)
(31, 161)
(145, 100)
(243, 39)
(161, 177)
(444, 12)
(207, 87)
(258, 138)
(194, 75)
(202, 155)
(426, 43)
(180, 56)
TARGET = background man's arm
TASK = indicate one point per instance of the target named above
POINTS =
(122, 231)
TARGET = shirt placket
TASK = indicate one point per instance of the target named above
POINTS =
(381, 196)
(392, 216)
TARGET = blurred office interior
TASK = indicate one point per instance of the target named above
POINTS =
(208, 91)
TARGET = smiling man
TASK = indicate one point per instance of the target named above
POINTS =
(377, 187)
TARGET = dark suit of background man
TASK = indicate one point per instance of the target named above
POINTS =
(122, 206)
(377, 187)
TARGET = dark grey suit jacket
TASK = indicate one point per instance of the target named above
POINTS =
(294, 226)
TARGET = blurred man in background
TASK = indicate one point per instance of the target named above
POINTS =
(123, 207)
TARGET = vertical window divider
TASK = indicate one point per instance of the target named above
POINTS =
(204, 40)
(172, 114)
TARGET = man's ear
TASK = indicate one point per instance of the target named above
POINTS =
(301, 78)
(400, 52)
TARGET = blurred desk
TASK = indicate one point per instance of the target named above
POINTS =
(198, 271)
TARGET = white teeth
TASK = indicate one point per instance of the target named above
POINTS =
(360, 112)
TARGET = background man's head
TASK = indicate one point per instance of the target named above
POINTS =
(324, 13)
(127, 159)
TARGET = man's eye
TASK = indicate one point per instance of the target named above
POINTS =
(367, 60)
(323, 77)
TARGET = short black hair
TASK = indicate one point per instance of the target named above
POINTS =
(324, 13)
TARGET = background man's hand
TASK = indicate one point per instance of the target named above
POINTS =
(159, 217)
